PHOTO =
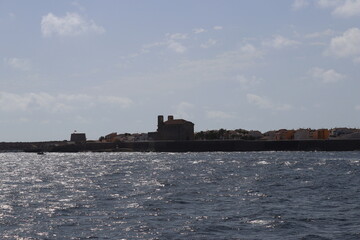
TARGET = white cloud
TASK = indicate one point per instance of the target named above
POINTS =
(78, 5)
(357, 108)
(183, 109)
(57, 103)
(15, 102)
(258, 101)
(18, 63)
(199, 30)
(176, 47)
(345, 45)
(325, 33)
(349, 8)
(280, 42)
(326, 76)
(217, 28)
(357, 60)
(209, 43)
(342, 8)
(123, 102)
(265, 103)
(218, 115)
(10, 102)
(177, 36)
(188, 73)
(75, 97)
(299, 4)
(152, 45)
(249, 49)
(174, 44)
(217, 67)
(247, 82)
(72, 24)
(329, 3)
(171, 41)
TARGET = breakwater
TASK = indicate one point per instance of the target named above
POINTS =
(245, 146)
(29, 146)
(187, 146)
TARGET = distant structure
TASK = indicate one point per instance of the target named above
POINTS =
(78, 137)
(173, 129)
(321, 134)
(110, 137)
(303, 134)
(284, 134)
(300, 134)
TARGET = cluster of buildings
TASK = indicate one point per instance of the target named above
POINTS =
(223, 134)
(171, 129)
(125, 137)
(182, 130)
(300, 134)
(315, 134)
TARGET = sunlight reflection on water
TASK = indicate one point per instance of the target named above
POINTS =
(265, 195)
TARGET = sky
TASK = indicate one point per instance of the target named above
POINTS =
(112, 66)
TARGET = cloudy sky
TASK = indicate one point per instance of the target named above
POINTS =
(103, 66)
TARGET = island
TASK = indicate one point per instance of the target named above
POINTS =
(177, 135)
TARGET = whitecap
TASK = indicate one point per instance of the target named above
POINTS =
(133, 205)
(262, 163)
(259, 222)
(6, 207)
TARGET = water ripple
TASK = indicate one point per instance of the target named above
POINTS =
(267, 195)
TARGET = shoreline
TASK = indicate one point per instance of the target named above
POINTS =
(185, 146)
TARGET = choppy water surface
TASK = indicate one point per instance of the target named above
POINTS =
(267, 195)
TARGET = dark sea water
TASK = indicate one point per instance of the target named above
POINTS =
(262, 195)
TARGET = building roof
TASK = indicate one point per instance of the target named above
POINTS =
(176, 122)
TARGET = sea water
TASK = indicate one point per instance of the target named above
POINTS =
(250, 195)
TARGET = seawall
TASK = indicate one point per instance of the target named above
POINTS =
(28, 146)
(186, 146)
(218, 145)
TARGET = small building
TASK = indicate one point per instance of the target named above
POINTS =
(255, 134)
(302, 134)
(284, 134)
(336, 132)
(125, 137)
(355, 135)
(173, 129)
(110, 137)
(140, 137)
(321, 134)
(270, 135)
(78, 137)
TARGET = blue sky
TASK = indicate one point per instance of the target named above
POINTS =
(103, 66)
